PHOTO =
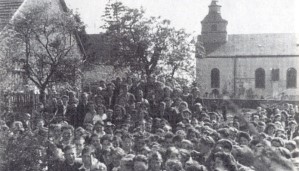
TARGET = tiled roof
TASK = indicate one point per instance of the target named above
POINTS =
(7, 9)
(281, 44)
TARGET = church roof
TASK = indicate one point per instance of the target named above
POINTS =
(7, 10)
(256, 45)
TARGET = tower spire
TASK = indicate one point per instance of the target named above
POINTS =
(214, 7)
(213, 25)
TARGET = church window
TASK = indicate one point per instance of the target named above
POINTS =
(275, 75)
(291, 78)
(214, 27)
(260, 78)
(215, 78)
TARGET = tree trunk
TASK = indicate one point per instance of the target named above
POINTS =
(42, 95)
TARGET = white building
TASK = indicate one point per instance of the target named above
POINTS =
(246, 65)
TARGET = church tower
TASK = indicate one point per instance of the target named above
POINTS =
(214, 26)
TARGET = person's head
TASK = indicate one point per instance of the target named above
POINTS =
(99, 167)
(99, 126)
(168, 101)
(277, 142)
(87, 156)
(186, 144)
(67, 132)
(117, 155)
(290, 145)
(127, 163)
(261, 126)
(224, 145)
(243, 138)
(173, 165)
(88, 128)
(183, 106)
(270, 129)
(69, 154)
(106, 141)
(224, 161)
(140, 163)
(195, 166)
(155, 161)
(127, 141)
(173, 153)
(205, 144)
(79, 144)
(96, 141)
(91, 107)
(107, 155)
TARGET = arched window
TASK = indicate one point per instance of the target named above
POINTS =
(260, 78)
(215, 78)
(214, 27)
(291, 78)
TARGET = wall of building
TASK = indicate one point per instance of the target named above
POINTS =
(245, 76)
(203, 73)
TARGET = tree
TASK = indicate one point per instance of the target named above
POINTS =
(46, 45)
(179, 59)
(144, 45)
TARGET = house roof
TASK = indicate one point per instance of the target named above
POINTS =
(256, 45)
(7, 10)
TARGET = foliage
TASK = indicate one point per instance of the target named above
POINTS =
(145, 45)
(45, 44)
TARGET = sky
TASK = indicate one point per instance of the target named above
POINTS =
(243, 16)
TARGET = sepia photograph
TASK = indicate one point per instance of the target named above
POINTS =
(149, 85)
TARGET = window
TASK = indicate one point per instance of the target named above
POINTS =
(214, 27)
(291, 78)
(215, 78)
(275, 75)
(260, 78)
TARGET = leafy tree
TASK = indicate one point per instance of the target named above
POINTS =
(144, 45)
(46, 45)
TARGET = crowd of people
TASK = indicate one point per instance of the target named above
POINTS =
(148, 125)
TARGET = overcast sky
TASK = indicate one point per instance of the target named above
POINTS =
(244, 16)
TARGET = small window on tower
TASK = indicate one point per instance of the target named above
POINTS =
(214, 27)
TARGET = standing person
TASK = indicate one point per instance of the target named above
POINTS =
(70, 163)
(91, 113)
(82, 109)
(224, 111)
(214, 107)
(89, 162)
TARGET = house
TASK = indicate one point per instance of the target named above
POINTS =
(259, 66)
(10, 10)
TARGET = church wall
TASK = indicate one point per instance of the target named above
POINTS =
(203, 73)
(273, 89)
(245, 76)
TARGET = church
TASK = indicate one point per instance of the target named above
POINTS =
(246, 66)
